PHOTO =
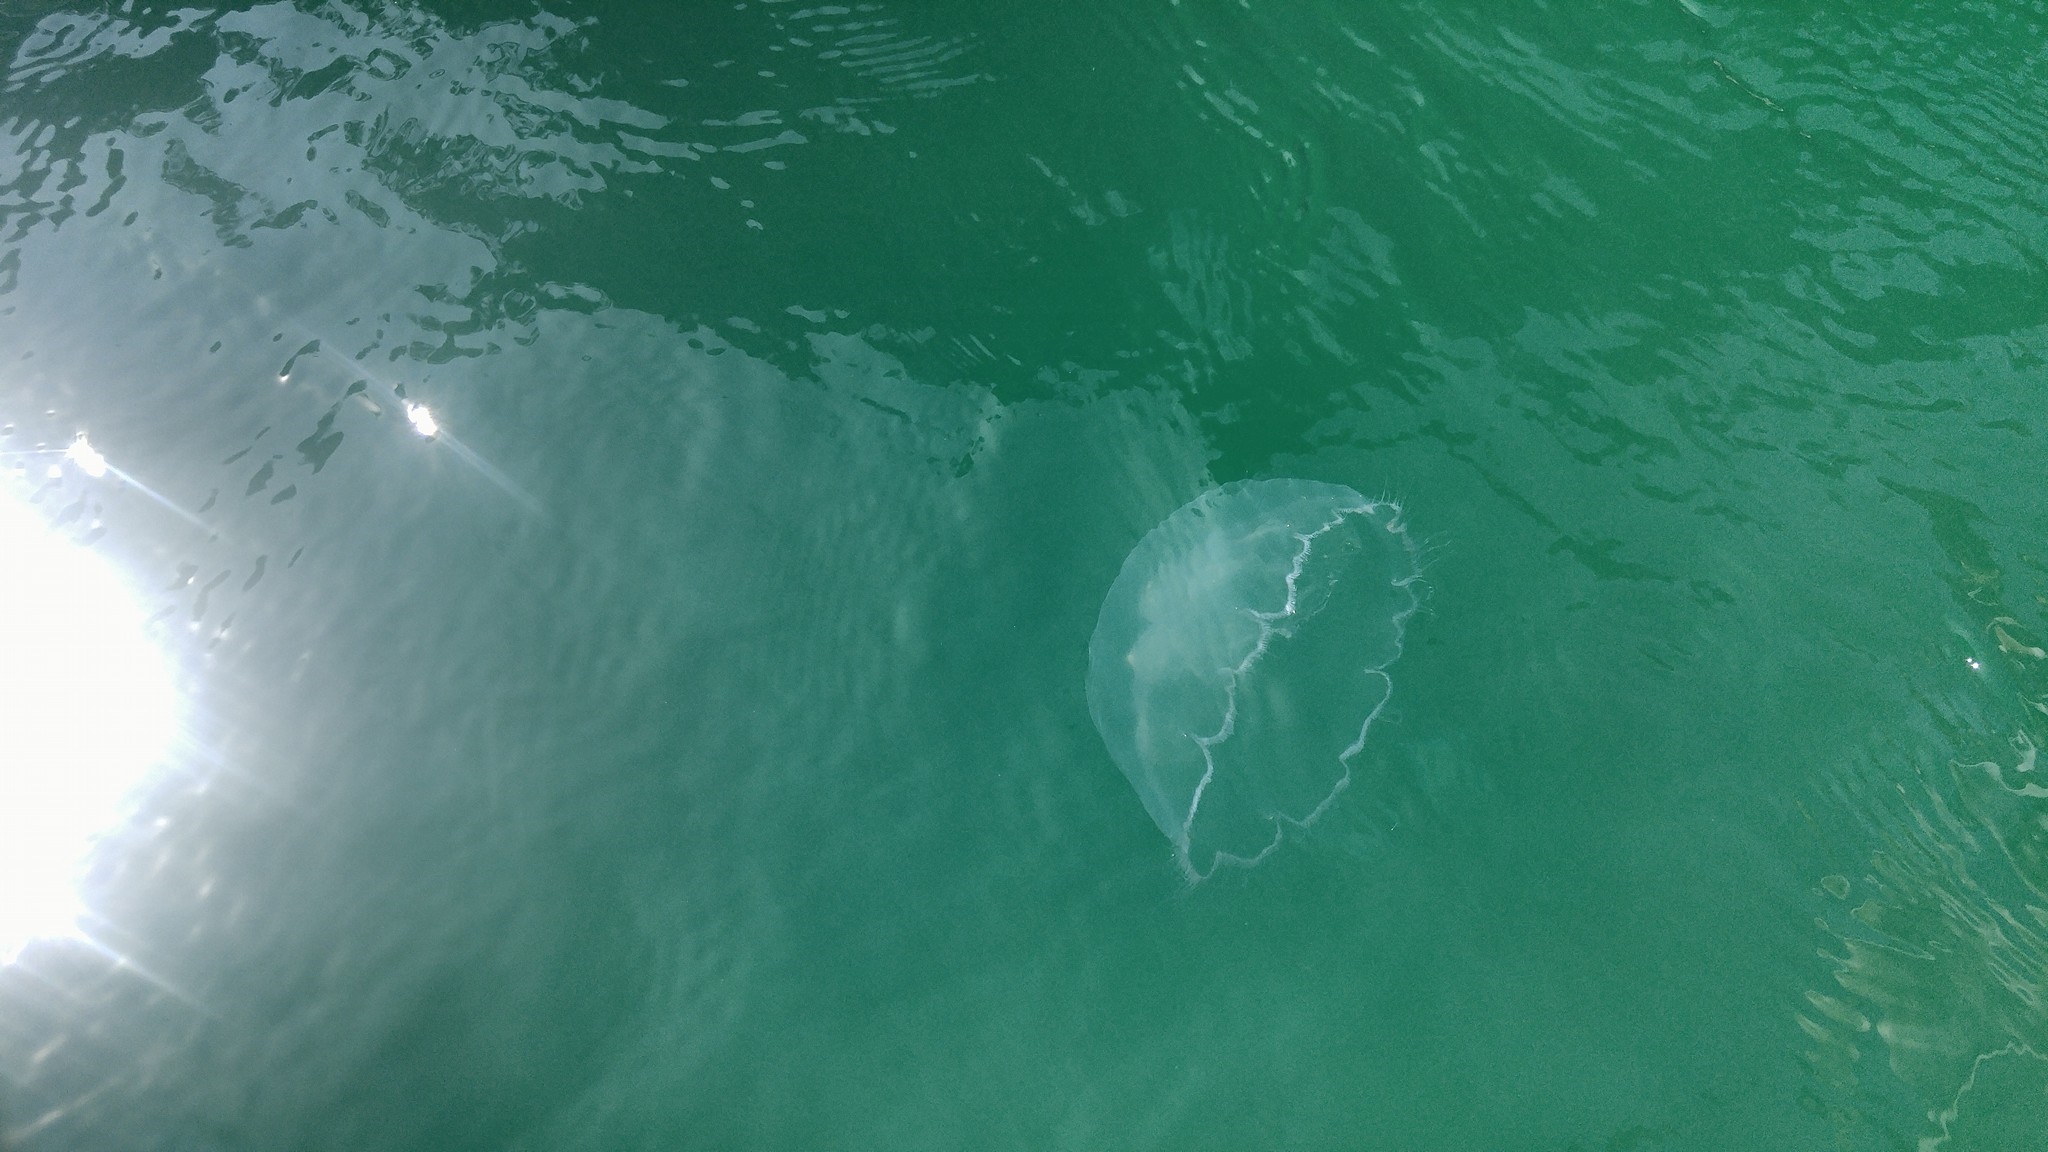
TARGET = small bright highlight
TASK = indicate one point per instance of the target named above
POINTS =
(87, 458)
(423, 421)
(87, 708)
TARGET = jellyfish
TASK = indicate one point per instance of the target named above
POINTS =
(1241, 657)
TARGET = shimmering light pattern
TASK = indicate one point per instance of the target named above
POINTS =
(87, 708)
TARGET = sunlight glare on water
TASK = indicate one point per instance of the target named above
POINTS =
(87, 708)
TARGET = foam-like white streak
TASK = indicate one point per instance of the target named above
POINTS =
(1267, 627)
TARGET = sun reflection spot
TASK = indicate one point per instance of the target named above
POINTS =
(87, 458)
(87, 708)
(423, 421)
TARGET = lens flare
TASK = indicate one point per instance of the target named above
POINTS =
(87, 708)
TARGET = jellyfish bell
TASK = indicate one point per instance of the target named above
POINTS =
(1241, 656)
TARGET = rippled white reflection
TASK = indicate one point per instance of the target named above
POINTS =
(87, 708)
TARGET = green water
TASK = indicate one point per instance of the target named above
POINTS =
(688, 749)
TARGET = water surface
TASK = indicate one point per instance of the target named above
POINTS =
(687, 746)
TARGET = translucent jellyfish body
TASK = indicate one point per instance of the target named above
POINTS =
(1241, 658)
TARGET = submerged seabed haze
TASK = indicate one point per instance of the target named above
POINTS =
(624, 493)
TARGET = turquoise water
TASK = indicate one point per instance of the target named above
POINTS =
(687, 745)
